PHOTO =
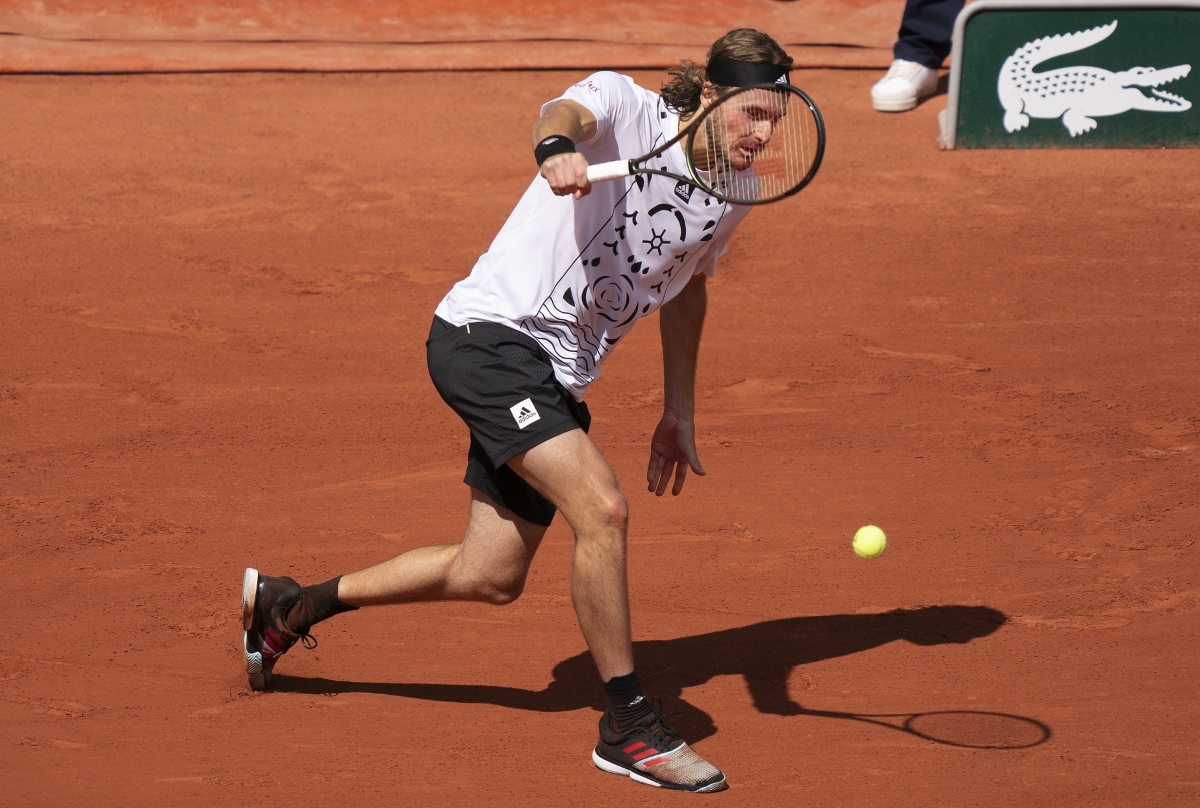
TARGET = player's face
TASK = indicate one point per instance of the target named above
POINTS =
(746, 127)
(737, 131)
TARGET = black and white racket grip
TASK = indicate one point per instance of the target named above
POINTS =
(602, 172)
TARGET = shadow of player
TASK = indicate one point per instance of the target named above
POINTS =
(764, 654)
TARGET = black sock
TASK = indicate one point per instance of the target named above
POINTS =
(316, 603)
(626, 702)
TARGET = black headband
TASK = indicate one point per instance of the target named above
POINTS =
(729, 73)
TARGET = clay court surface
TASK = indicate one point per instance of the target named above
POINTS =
(215, 291)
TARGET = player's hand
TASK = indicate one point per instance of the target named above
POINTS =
(673, 448)
(567, 174)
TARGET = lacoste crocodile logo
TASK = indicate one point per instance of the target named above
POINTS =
(1077, 93)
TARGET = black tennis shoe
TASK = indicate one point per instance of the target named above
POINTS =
(266, 637)
(650, 752)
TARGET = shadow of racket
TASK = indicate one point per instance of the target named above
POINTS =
(970, 729)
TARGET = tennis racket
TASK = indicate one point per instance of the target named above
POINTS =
(751, 146)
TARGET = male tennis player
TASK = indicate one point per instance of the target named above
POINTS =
(512, 350)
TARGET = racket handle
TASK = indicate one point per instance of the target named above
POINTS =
(602, 172)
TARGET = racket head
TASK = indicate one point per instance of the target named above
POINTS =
(756, 144)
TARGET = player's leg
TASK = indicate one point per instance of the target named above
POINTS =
(571, 473)
(480, 375)
(490, 564)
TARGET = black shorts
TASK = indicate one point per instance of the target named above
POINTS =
(501, 383)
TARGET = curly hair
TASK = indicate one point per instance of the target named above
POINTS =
(682, 92)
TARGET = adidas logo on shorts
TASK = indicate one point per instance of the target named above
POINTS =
(525, 413)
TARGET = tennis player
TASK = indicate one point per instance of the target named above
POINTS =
(513, 349)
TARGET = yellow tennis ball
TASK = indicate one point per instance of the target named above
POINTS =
(869, 542)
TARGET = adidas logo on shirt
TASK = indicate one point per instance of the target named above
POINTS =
(525, 413)
(683, 190)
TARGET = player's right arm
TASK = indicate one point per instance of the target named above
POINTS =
(566, 173)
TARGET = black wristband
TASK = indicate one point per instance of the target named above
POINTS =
(555, 144)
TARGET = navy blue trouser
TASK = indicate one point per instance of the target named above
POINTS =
(926, 30)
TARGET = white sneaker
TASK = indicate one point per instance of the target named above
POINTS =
(904, 84)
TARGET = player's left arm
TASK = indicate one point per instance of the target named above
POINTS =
(673, 446)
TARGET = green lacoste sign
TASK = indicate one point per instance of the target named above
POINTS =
(1075, 74)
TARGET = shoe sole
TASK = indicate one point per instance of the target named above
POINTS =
(904, 105)
(257, 672)
(895, 106)
(606, 765)
(249, 598)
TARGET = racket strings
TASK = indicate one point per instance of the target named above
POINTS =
(758, 144)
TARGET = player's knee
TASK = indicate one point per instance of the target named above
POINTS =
(498, 586)
(503, 597)
(619, 512)
(613, 511)
(501, 590)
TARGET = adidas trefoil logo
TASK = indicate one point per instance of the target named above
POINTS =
(525, 413)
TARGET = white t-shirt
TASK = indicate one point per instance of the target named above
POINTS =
(577, 274)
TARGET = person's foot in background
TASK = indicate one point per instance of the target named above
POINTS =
(905, 83)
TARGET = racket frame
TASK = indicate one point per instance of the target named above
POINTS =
(616, 169)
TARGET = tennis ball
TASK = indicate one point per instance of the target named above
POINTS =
(869, 542)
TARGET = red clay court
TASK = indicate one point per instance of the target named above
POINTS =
(215, 292)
